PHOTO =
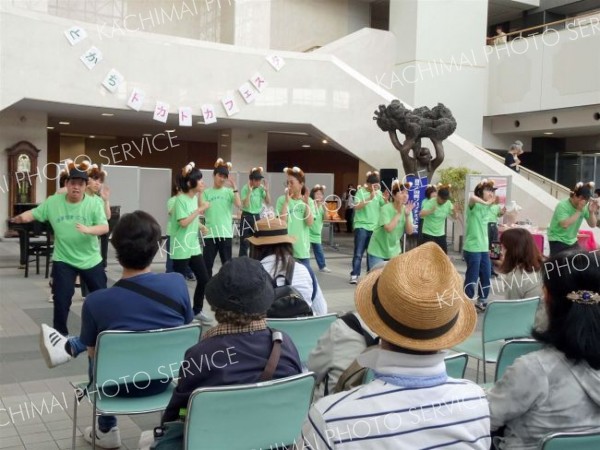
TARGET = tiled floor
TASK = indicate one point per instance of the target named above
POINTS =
(36, 403)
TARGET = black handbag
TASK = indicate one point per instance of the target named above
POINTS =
(288, 301)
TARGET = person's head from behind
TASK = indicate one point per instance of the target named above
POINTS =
(572, 296)
(520, 251)
(136, 239)
(416, 303)
(241, 292)
(190, 179)
(271, 238)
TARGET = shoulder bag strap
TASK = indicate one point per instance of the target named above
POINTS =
(152, 295)
(352, 321)
(273, 360)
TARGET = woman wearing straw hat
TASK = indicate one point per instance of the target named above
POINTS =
(394, 221)
(557, 388)
(417, 307)
(272, 245)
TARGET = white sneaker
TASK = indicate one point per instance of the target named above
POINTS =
(52, 346)
(110, 439)
(51, 298)
(353, 279)
(325, 270)
(203, 318)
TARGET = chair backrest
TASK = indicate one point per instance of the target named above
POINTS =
(456, 365)
(304, 331)
(139, 356)
(261, 415)
(509, 319)
(571, 441)
(512, 350)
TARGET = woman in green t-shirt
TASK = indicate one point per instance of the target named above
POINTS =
(476, 248)
(394, 220)
(316, 229)
(434, 213)
(185, 237)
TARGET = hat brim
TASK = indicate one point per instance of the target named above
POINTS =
(271, 240)
(462, 329)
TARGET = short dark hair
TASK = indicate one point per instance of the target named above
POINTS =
(573, 328)
(430, 190)
(284, 254)
(136, 238)
(236, 318)
(189, 181)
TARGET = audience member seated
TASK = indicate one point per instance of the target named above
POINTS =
(272, 246)
(417, 306)
(136, 239)
(237, 349)
(344, 340)
(521, 268)
(556, 388)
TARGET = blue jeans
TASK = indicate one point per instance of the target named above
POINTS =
(63, 288)
(478, 274)
(319, 255)
(306, 263)
(372, 261)
(361, 242)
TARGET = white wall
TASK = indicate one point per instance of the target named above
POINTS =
(554, 70)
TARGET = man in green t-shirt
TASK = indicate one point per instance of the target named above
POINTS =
(77, 220)
(218, 219)
(568, 216)
(367, 203)
(253, 195)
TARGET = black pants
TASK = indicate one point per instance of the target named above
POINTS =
(104, 249)
(557, 247)
(439, 240)
(247, 227)
(211, 247)
(196, 264)
(349, 216)
(63, 288)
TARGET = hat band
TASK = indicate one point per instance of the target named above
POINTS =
(405, 330)
(266, 233)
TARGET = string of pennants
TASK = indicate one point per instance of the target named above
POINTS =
(249, 90)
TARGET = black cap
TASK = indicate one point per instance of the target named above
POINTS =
(223, 170)
(242, 285)
(443, 193)
(584, 192)
(372, 179)
(76, 173)
(256, 175)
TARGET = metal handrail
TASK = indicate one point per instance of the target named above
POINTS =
(549, 24)
(556, 190)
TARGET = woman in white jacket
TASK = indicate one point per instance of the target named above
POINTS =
(557, 388)
(272, 246)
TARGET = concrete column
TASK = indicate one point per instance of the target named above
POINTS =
(441, 58)
(244, 148)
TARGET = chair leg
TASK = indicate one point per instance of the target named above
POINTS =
(27, 266)
(477, 376)
(75, 404)
(94, 426)
(37, 262)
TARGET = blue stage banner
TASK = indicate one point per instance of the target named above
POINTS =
(416, 194)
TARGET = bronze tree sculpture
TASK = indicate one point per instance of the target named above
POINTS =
(436, 124)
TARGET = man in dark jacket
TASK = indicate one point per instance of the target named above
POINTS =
(237, 349)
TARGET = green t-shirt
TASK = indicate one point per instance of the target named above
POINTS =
(218, 218)
(563, 211)
(296, 213)
(317, 227)
(494, 213)
(434, 224)
(70, 246)
(384, 244)
(170, 205)
(476, 234)
(368, 216)
(257, 198)
(185, 241)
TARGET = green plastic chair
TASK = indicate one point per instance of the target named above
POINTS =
(503, 319)
(304, 331)
(512, 350)
(571, 441)
(135, 356)
(456, 365)
(260, 415)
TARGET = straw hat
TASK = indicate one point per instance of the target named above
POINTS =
(271, 231)
(420, 302)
